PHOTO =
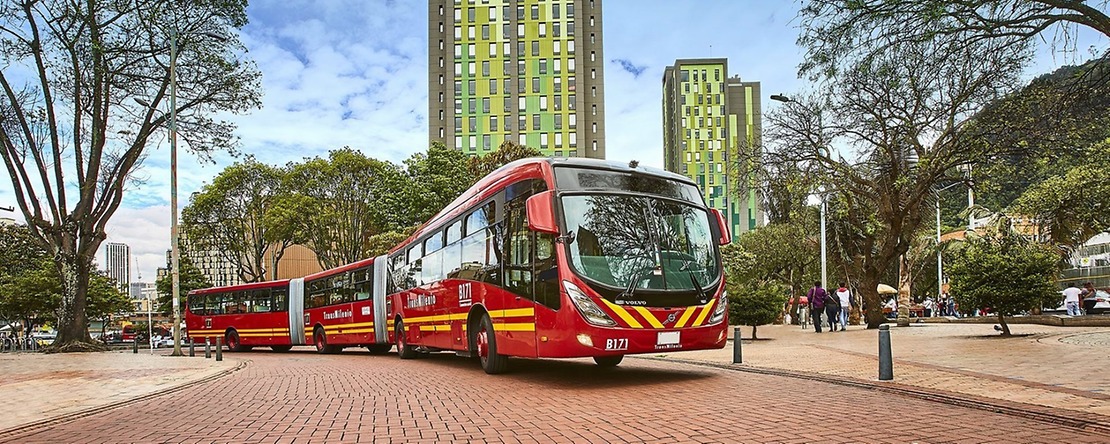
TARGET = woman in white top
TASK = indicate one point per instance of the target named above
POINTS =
(845, 298)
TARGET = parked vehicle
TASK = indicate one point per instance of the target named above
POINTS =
(1097, 303)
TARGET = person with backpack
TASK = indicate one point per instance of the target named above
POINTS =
(832, 310)
(817, 297)
(845, 298)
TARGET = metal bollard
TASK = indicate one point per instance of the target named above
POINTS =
(207, 348)
(219, 349)
(192, 348)
(737, 356)
(886, 362)
(135, 345)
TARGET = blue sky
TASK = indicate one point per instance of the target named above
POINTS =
(353, 73)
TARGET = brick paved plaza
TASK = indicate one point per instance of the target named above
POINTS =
(356, 397)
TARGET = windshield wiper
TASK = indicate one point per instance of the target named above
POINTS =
(628, 291)
(702, 297)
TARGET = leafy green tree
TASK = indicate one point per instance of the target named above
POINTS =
(481, 166)
(755, 303)
(436, 179)
(229, 218)
(1071, 208)
(105, 300)
(784, 254)
(1005, 272)
(338, 204)
(381, 243)
(31, 296)
(189, 278)
(72, 133)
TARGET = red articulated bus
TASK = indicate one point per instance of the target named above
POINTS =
(558, 258)
(331, 309)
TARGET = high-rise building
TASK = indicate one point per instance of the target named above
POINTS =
(529, 71)
(117, 261)
(707, 117)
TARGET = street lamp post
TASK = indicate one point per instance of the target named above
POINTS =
(175, 269)
(821, 193)
(940, 260)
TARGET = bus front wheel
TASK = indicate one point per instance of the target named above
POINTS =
(404, 350)
(608, 361)
(492, 362)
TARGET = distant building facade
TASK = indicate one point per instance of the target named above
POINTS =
(117, 262)
(707, 117)
(528, 71)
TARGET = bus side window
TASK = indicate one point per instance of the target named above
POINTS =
(547, 272)
(281, 302)
(260, 302)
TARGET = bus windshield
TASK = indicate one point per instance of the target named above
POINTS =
(638, 243)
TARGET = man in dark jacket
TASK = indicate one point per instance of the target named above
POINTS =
(816, 296)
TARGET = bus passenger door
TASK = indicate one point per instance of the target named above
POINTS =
(518, 319)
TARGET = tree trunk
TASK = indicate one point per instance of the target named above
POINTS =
(904, 278)
(872, 302)
(754, 337)
(1005, 328)
(73, 325)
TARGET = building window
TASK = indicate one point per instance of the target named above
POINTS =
(535, 47)
(473, 121)
(570, 10)
(543, 140)
(573, 139)
(558, 103)
(570, 48)
(555, 29)
(470, 15)
(485, 32)
(535, 12)
(493, 86)
(485, 68)
(573, 121)
(523, 121)
(493, 50)
(485, 104)
(558, 84)
(543, 66)
(571, 102)
(522, 104)
(543, 29)
(556, 46)
(543, 103)
(486, 142)
(535, 122)
(535, 84)
(471, 87)
(558, 121)
(555, 11)
(559, 141)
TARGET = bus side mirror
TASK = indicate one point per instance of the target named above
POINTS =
(541, 213)
(722, 227)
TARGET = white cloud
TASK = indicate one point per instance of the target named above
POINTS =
(353, 73)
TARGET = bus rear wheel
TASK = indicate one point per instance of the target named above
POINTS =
(404, 350)
(233, 343)
(608, 361)
(486, 342)
(281, 348)
(379, 349)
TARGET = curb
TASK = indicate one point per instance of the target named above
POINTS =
(60, 419)
(1095, 425)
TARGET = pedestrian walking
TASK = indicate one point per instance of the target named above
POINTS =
(803, 312)
(845, 298)
(832, 310)
(1087, 298)
(1071, 299)
(817, 296)
(927, 307)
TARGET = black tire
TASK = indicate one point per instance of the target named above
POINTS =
(379, 349)
(233, 343)
(320, 340)
(492, 362)
(608, 361)
(404, 350)
(281, 348)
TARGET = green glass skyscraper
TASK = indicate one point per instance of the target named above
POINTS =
(529, 71)
(707, 117)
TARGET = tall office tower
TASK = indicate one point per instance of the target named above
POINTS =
(707, 118)
(529, 71)
(117, 261)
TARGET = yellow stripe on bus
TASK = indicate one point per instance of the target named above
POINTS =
(648, 316)
(514, 327)
(623, 314)
(686, 314)
(704, 313)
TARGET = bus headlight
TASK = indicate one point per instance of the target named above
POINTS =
(590, 311)
(722, 308)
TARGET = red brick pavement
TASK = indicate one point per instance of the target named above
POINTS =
(355, 397)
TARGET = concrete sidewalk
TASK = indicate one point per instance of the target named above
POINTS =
(36, 387)
(1052, 370)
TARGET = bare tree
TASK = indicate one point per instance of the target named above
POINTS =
(71, 131)
(834, 30)
(890, 128)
